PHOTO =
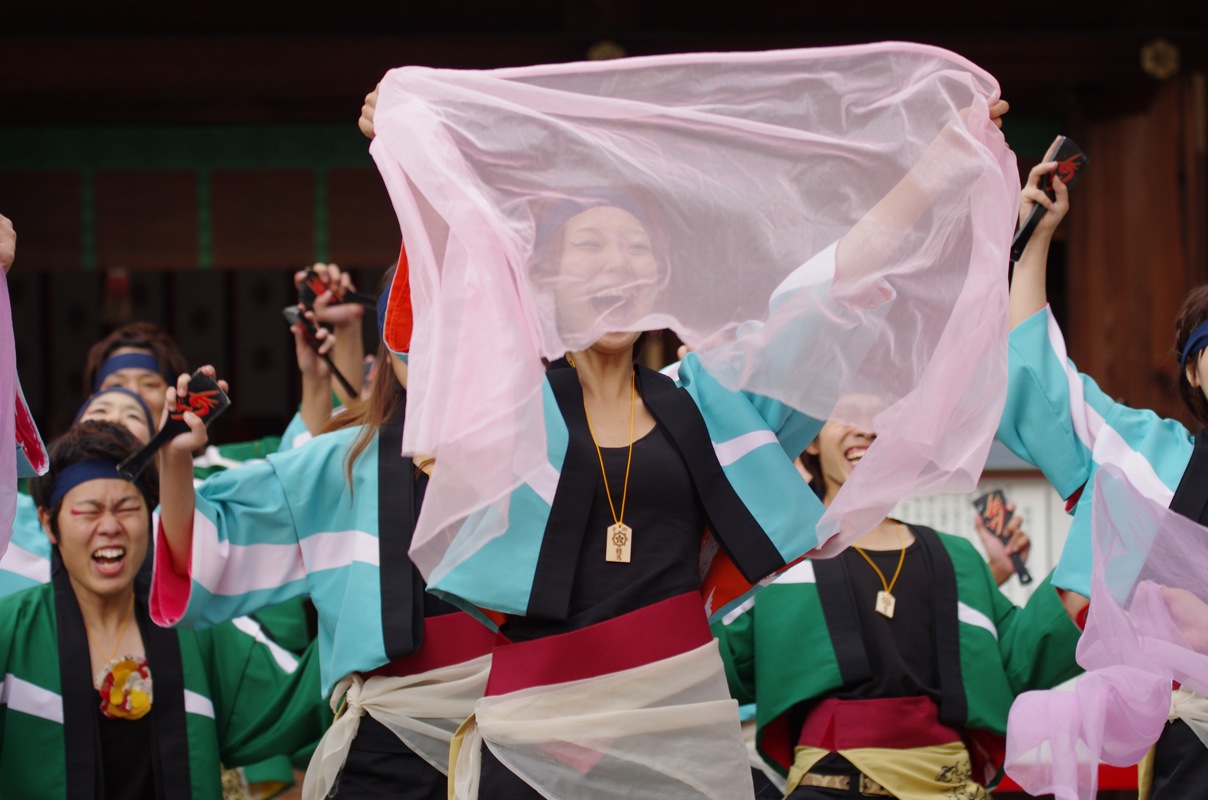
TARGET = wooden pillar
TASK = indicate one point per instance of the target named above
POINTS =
(1137, 242)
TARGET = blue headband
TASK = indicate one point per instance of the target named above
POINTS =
(121, 390)
(1196, 342)
(126, 361)
(82, 472)
(569, 207)
(382, 302)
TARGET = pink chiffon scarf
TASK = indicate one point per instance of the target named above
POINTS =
(736, 170)
(1147, 627)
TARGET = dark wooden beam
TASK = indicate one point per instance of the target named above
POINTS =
(322, 79)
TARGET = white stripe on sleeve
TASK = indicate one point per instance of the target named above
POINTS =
(31, 699)
(284, 658)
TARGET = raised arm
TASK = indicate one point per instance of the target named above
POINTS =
(868, 245)
(176, 477)
(316, 375)
(1028, 292)
(348, 354)
(8, 242)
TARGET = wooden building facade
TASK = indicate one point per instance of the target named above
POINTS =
(177, 165)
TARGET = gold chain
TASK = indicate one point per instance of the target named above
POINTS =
(120, 633)
(625, 490)
(901, 560)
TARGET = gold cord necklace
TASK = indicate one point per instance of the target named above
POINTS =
(618, 544)
(885, 599)
(121, 632)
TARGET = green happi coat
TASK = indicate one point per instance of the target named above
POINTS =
(27, 563)
(799, 640)
(219, 697)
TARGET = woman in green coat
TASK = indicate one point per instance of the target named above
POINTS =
(889, 669)
(97, 701)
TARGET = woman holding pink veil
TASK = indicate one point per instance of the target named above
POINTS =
(841, 235)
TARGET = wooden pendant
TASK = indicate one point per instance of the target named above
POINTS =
(620, 537)
(885, 604)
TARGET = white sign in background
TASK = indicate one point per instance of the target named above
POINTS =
(1044, 520)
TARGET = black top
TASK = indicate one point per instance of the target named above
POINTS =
(914, 654)
(1191, 497)
(126, 757)
(85, 740)
(901, 651)
(667, 521)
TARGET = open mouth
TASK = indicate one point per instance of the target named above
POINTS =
(109, 560)
(854, 454)
(610, 302)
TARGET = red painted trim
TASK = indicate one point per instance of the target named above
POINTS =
(399, 321)
(656, 632)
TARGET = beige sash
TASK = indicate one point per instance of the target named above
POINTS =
(422, 710)
(669, 727)
(1192, 708)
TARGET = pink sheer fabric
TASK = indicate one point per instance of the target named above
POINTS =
(1148, 625)
(17, 426)
(9, 392)
(542, 207)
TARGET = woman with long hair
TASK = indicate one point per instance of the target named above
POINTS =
(598, 511)
(333, 520)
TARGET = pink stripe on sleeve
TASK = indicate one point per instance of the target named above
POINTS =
(170, 592)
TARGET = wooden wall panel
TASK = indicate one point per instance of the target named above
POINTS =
(1129, 265)
(146, 219)
(263, 219)
(46, 213)
(201, 318)
(264, 373)
(26, 296)
(147, 298)
(72, 324)
(362, 228)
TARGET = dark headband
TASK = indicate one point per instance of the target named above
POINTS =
(82, 472)
(569, 207)
(383, 302)
(1196, 342)
(126, 361)
(121, 390)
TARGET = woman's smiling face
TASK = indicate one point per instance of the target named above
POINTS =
(839, 449)
(607, 271)
(121, 409)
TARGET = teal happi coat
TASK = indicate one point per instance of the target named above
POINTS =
(1061, 421)
(739, 449)
(798, 640)
(292, 526)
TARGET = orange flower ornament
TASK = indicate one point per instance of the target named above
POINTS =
(126, 688)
